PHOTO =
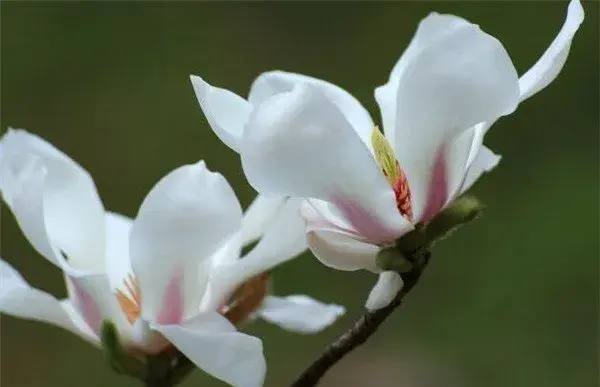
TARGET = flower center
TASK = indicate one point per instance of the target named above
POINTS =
(130, 303)
(386, 159)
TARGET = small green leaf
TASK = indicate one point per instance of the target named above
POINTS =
(390, 258)
(463, 211)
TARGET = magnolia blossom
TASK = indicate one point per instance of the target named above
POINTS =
(304, 137)
(166, 278)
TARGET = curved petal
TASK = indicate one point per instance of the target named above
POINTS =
(118, 265)
(19, 299)
(300, 144)
(79, 322)
(72, 210)
(299, 313)
(283, 240)
(458, 154)
(229, 252)
(457, 80)
(182, 221)
(319, 215)
(225, 111)
(25, 194)
(433, 27)
(535, 79)
(257, 216)
(91, 293)
(341, 252)
(547, 68)
(274, 82)
(93, 299)
(213, 344)
(388, 285)
(485, 161)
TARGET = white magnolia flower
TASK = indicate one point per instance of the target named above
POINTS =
(304, 137)
(165, 278)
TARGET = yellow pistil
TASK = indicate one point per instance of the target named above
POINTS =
(130, 304)
(386, 160)
(385, 156)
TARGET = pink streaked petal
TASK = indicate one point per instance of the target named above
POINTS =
(19, 299)
(300, 144)
(437, 195)
(95, 302)
(182, 222)
(87, 307)
(317, 216)
(364, 222)
(172, 308)
(453, 77)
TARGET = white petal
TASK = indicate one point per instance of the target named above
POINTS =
(319, 215)
(547, 68)
(94, 300)
(433, 27)
(72, 211)
(459, 154)
(274, 82)
(283, 240)
(334, 243)
(229, 252)
(92, 294)
(26, 199)
(182, 221)
(19, 299)
(342, 252)
(213, 344)
(388, 285)
(453, 82)
(118, 265)
(542, 73)
(225, 111)
(299, 313)
(430, 29)
(79, 322)
(258, 215)
(300, 144)
(485, 161)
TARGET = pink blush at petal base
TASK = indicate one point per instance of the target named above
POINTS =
(364, 222)
(87, 307)
(171, 311)
(437, 195)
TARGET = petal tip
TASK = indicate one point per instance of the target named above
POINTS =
(576, 8)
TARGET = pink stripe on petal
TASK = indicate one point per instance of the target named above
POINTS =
(315, 221)
(171, 311)
(363, 221)
(86, 306)
(437, 195)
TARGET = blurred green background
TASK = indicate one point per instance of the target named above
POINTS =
(509, 301)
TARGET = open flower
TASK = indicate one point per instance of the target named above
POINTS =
(171, 277)
(304, 137)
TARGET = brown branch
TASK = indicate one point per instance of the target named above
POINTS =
(362, 330)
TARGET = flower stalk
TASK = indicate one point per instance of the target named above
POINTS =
(364, 328)
(409, 257)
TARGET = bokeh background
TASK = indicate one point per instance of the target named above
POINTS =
(509, 301)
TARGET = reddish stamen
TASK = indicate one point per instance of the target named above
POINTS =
(402, 191)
